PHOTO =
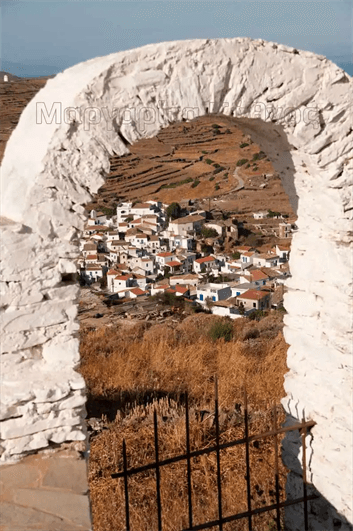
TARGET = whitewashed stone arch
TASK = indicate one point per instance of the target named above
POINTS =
(50, 170)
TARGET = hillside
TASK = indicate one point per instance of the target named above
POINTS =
(179, 163)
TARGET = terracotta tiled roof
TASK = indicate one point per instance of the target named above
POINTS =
(180, 289)
(253, 294)
(163, 255)
(205, 259)
(91, 257)
(173, 263)
(258, 275)
(113, 272)
(138, 291)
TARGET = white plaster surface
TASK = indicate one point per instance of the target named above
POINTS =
(45, 182)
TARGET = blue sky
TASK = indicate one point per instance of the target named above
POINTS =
(43, 37)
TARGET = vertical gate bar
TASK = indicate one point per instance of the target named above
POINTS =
(158, 486)
(278, 511)
(306, 523)
(247, 458)
(127, 512)
(188, 459)
(218, 455)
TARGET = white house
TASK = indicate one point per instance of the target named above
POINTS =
(112, 273)
(186, 225)
(153, 244)
(265, 260)
(255, 299)
(283, 252)
(184, 280)
(89, 248)
(214, 292)
(247, 257)
(205, 264)
(122, 282)
(226, 308)
(260, 215)
(163, 258)
(146, 263)
(94, 272)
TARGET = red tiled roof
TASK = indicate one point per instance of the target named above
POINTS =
(173, 263)
(253, 294)
(123, 277)
(138, 291)
(205, 259)
(181, 289)
(91, 257)
(113, 272)
(142, 205)
(258, 275)
(164, 254)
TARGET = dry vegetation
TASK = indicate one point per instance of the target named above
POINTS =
(130, 371)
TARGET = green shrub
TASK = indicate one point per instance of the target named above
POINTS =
(244, 144)
(209, 232)
(228, 132)
(221, 329)
(257, 315)
(216, 126)
(208, 161)
(173, 211)
(204, 152)
(241, 162)
(236, 255)
(259, 156)
(216, 165)
(217, 170)
(195, 183)
(216, 187)
(211, 178)
(255, 168)
(247, 166)
(179, 183)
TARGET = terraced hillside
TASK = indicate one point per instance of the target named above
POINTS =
(206, 158)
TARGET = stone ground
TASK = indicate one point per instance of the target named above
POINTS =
(46, 492)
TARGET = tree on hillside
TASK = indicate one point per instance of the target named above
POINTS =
(173, 211)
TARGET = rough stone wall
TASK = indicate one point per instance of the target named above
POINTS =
(263, 85)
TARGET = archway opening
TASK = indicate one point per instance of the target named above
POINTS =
(151, 350)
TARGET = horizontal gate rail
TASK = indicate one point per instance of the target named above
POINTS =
(303, 428)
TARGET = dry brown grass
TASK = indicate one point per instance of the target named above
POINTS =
(129, 366)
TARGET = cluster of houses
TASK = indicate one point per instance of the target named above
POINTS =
(141, 252)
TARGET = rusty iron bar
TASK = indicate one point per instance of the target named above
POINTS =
(188, 458)
(247, 459)
(157, 465)
(218, 457)
(127, 512)
(254, 512)
(223, 446)
(278, 511)
(306, 522)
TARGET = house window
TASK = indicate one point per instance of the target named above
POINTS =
(254, 304)
(201, 297)
(214, 299)
(238, 293)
